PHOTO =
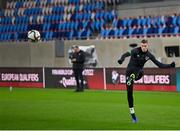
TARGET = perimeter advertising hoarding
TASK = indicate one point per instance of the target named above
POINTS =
(21, 77)
(64, 78)
(154, 79)
(178, 79)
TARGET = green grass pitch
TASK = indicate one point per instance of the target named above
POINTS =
(65, 109)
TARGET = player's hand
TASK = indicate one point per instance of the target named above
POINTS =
(173, 64)
(120, 61)
(73, 60)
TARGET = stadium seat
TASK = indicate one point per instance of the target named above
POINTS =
(66, 17)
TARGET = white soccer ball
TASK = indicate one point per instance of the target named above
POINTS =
(34, 35)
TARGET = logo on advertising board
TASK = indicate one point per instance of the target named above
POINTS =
(64, 78)
(153, 79)
(21, 77)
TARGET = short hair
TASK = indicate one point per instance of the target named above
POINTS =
(75, 46)
(144, 41)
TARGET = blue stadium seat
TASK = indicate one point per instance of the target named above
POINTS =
(67, 25)
(1, 13)
(141, 30)
(134, 22)
(70, 1)
(48, 2)
(19, 4)
(111, 33)
(176, 30)
(165, 30)
(124, 22)
(51, 35)
(178, 20)
(55, 35)
(82, 20)
(18, 26)
(60, 26)
(10, 28)
(8, 36)
(136, 31)
(126, 31)
(14, 36)
(70, 35)
(14, 28)
(26, 12)
(76, 8)
(85, 34)
(38, 2)
(34, 20)
(71, 25)
(40, 11)
(54, 10)
(16, 12)
(47, 36)
(86, 16)
(1, 28)
(129, 22)
(120, 32)
(171, 29)
(104, 33)
(75, 34)
(1, 37)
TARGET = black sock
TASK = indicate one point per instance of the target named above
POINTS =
(133, 116)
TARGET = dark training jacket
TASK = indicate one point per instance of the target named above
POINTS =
(80, 58)
(139, 58)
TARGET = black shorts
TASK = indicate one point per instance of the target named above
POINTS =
(138, 73)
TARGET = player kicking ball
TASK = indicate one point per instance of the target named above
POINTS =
(134, 71)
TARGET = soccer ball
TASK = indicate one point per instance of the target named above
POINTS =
(34, 35)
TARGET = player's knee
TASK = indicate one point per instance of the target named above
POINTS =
(133, 76)
(140, 75)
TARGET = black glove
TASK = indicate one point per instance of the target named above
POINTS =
(173, 64)
(120, 61)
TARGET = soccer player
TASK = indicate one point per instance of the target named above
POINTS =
(134, 71)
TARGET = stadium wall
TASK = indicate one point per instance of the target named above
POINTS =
(18, 54)
(150, 8)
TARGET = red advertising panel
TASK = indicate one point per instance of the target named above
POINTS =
(21, 77)
(154, 79)
(64, 78)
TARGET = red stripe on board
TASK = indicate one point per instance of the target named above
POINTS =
(143, 87)
(21, 84)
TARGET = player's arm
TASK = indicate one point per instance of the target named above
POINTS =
(127, 54)
(159, 64)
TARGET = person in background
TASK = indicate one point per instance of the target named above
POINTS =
(77, 60)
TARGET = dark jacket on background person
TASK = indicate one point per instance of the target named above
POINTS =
(80, 58)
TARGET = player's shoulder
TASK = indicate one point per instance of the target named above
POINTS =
(150, 54)
(81, 52)
(135, 50)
